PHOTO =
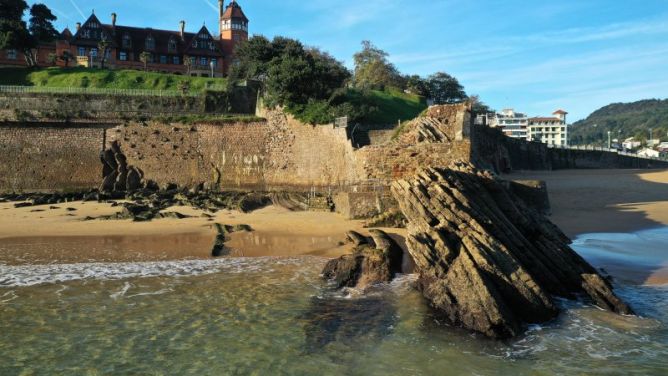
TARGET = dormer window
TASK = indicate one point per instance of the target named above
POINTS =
(171, 45)
(150, 43)
(93, 25)
(127, 41)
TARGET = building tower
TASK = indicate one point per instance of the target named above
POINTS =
(233, 26)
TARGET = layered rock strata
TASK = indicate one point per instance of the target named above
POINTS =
(487, 260)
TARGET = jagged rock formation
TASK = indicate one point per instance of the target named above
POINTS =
(118, 176)
(486, 260)
(374, 260)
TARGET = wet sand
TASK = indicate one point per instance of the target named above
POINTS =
(40, 235)
(610, 201)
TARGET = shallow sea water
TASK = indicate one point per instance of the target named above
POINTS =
(273, 316)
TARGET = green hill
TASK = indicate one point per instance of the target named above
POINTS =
(104, 79)
(623, 120)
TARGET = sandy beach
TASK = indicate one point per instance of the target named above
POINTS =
(583, 202)
(61, 234)
(609, 201)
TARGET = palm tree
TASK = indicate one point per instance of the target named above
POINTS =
(187, 61)
(144, 57)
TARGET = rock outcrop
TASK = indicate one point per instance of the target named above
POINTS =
(374, 260)
(118, 176)
(487, 260)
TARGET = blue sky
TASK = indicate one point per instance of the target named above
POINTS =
(535, 56)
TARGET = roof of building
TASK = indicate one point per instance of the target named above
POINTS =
(560, 112)
(185, 44)
(544, 119)
(66, 34)
(233, 10)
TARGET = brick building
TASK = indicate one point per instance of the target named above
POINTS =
(167, 50)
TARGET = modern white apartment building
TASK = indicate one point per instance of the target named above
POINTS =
(549, 130)
(512, 124)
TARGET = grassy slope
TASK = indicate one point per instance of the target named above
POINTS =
(394, 105)
(104, 79)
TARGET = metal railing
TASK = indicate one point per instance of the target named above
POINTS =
(598, 148)
(95, 91)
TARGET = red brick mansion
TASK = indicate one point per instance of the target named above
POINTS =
(166, 50)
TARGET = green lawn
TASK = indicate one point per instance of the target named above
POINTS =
(104, 79)
(392, 104)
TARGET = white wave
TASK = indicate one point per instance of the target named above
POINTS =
(31, 275)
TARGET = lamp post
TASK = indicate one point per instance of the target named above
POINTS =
(211, 65)
(609, 140)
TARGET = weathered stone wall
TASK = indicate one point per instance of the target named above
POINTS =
(50, 157)
(277, 154)
(33, 106)
(492, 150)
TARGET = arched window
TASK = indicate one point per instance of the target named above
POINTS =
(150, 43)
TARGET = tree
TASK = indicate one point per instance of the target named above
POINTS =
(12, 27)
(373, 70)
(291, 73)
(40, 30)
(102, 47)
(417, 85)
(444, 89)
(66, 57)
(188, 63)
(478, 106)
(41, 24)
(144, 57)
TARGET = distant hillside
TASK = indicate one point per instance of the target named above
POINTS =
(104, 79)
(624, 120)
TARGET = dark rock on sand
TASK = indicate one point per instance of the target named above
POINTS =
(219, 248)
(374, 260)
(487, 260)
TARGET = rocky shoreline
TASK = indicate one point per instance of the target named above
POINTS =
(486, 260)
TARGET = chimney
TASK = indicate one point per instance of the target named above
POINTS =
(183, 28)
(113, 19)
(221, 7)
(78, 26)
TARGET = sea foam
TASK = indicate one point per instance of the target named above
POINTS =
(31, 275)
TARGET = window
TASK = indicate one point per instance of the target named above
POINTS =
(81, 51)
(214, 62)
(193, 61)
(11, 54)
(171, 46)
(123, 56)
(176, 60)
(86, 33)
(202, 61)
(127, 42)
(93, 52)
(150, 43)
(163, 59)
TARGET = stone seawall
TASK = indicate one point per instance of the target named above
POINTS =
(50, 158)
(492, 150)
(278, 154)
